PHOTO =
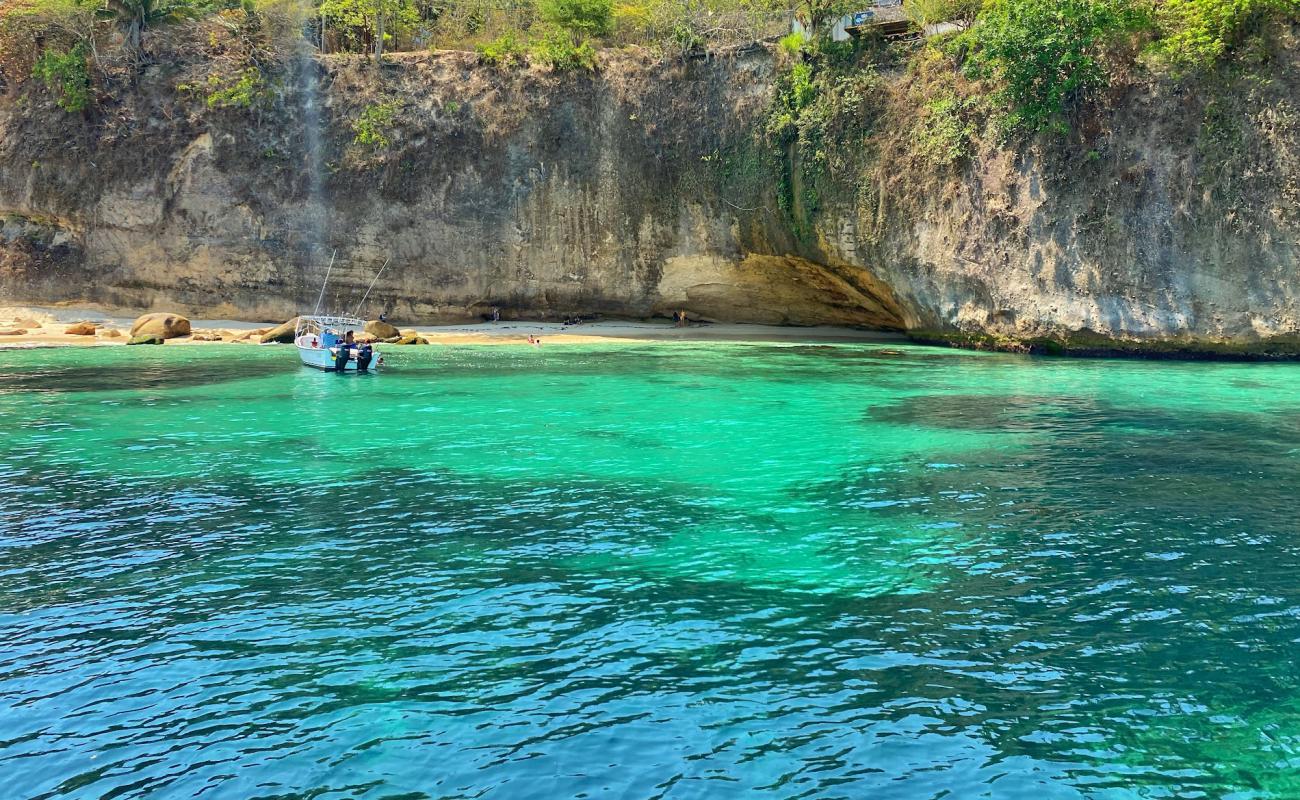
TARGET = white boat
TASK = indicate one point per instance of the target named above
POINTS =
(322, 343)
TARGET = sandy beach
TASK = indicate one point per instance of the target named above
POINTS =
(47, 327)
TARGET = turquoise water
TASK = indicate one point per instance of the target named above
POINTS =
(625, 571)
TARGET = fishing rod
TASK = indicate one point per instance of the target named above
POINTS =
(371, 286)
(326, 283)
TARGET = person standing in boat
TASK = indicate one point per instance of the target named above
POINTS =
(344, 353)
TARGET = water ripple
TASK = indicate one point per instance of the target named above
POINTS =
(705, 571)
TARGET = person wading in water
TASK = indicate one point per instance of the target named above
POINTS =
(344, 352)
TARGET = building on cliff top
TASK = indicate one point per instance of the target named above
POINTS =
(882, 16)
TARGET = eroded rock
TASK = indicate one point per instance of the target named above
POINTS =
(81, 329)
(381, 330)
(282, 333)
(164, 325)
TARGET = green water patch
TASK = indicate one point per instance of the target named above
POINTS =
(118, 369)
(712, 570)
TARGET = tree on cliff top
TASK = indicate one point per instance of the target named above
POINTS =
(361, 25)
(133, 17)
(1047, 53)
(580, 17)
(1199, 33)
(817, 16)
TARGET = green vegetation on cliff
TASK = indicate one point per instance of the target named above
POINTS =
(1043, 53)
(65, 73)
(1031, 63)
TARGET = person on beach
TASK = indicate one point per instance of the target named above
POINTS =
(496, 314)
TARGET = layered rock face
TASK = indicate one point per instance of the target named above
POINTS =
(645, 188)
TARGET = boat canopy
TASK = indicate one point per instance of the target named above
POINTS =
(320, 323)
(325, 330)
(329, 320)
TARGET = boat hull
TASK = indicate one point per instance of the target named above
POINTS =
(322, 359)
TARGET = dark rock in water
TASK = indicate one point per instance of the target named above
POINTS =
(382, 330)
(146, 339)
(81, 329)
(282, 333)
(412, 339)
(162, 325)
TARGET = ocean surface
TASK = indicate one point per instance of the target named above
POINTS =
(647, 571)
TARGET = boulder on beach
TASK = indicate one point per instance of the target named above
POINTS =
(282, 333)
(146, 339)
(248, 336)
(206, 337)
(28, 323)
(381, 330)
(109, 333)
(412, 339)
(13, 332)
(163, 325)
(81, 329)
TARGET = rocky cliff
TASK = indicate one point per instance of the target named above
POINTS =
(1168, 221)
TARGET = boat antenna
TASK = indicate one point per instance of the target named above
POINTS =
(326, 283)
(371, 286)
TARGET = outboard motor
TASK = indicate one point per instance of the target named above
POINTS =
(364, 353)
